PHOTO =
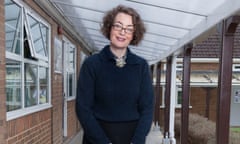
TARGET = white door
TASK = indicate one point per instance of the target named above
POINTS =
(69, 78)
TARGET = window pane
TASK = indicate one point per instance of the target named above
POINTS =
(30, 80)
(27, 49)
(44, 34)
(13, 85)
(70, 85)
(179, 96)
(38, 33)
(43, 79)
(13, 25)
(71, 58)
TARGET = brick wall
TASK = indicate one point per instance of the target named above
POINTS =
(2, 76)
(57, 87)
(198, 101)
(204, 66)
(56, 80)
(45, 127)
(73, 124)
(57, 111)
(30, 129)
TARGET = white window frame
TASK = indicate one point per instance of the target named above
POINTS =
(33, 51)
(46, 63)
(70, 70)
(177, 105)
(236, 67)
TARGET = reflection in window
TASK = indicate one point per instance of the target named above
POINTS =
(31, 87)
(13, 25)
(38, 33)
(43, 91)
(70, 68)
(179, 95)
(70, 85)
(71, 58)
(13, 85)
(27, 59)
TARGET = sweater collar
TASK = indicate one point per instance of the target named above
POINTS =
(106, 54)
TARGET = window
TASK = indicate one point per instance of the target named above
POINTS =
(13, 85)
(236, 67)
(178, 98)
(13, 27)
(70, 69)
(38, 37)
(27, 60)
(30, 84)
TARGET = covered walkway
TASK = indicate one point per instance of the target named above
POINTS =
(173, 28)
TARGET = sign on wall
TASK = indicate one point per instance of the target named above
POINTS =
(237, 96)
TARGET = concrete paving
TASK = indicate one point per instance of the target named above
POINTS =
(154, 137)
(77, 139)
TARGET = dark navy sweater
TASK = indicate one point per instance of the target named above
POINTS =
(110, 93)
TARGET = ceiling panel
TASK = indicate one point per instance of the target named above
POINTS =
(170, 23)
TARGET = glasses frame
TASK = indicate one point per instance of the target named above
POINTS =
(119, 27)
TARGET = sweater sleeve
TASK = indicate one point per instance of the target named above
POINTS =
(145, 107)
(84, 105)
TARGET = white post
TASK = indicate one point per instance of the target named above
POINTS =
(172, 101)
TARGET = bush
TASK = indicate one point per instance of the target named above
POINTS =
(234, 137)
(202, 131)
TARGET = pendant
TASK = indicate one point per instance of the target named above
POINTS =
(120, 62)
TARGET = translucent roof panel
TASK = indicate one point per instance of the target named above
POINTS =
(170, 23)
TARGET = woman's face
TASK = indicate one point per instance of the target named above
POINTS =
(122, 31)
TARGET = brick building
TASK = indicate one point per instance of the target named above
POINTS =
(204, 79)
(39, 61)
(40, 58)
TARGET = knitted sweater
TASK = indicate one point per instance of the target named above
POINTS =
(114, 94)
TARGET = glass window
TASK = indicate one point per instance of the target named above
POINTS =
(38, 33)
(13, 85)
(71, 58)
(71, 85)
(179, 96)
(31, 85)
(43, 80)
(13, 27)
(27, 60)
(70, 68)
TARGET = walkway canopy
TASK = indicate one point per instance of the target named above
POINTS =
(173, 27)
(170, 23)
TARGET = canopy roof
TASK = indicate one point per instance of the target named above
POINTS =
(170, 23)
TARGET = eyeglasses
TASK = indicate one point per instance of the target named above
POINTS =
(119, 27)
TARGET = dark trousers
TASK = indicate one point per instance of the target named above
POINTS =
(118, 133)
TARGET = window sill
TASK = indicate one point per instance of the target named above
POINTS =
(176, 107)
(23, 112)
(71, 98)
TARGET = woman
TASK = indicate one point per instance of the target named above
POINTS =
(115, 95)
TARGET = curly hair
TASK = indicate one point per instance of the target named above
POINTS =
(109, 18)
